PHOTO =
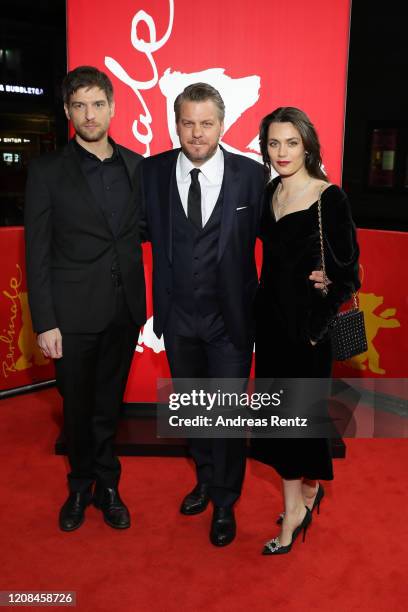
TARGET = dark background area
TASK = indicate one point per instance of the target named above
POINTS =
(375, 165)
(33, 55)
(377, 98)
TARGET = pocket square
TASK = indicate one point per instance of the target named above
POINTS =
(241, 207)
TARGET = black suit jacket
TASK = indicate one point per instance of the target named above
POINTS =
(236, 270)
(70, 247)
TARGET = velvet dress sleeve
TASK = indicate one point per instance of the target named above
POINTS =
(341, 257)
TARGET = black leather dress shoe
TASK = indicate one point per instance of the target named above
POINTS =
(196, 501)
(72, 513)
(114, 511)
(223, 526)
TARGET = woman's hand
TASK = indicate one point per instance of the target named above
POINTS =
(317, 277)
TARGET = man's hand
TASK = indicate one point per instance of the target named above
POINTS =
(50, 343)
(317, 277)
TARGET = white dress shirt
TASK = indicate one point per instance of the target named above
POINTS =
(210, 177)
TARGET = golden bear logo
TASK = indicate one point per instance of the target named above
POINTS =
(19, 357)
(369, 302)
(27, 341)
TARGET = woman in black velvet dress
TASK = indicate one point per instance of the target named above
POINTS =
(292, 314)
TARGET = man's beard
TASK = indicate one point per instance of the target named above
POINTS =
(203, 157)
(93, 137)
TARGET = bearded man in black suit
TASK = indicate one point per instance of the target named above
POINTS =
(86, 287)
(202, 207)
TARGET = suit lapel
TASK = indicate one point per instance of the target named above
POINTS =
(167, 182)
(231, 197)
(73, 168)
(129, 164)
(131, 169)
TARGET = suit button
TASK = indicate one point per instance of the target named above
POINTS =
(168, 290)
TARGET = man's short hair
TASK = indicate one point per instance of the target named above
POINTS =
(86, 76)
(200, 92)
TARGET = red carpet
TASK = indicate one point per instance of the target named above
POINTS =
(355, 556)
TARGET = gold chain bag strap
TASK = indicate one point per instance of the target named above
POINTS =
(346, 330)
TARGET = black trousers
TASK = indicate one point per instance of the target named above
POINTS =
(198, 347)
(91, 377)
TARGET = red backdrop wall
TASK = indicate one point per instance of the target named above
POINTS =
(21, 362)
(259, 55)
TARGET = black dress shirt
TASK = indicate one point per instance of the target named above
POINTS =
(109, 182)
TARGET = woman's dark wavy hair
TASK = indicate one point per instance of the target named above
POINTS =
(306, 129)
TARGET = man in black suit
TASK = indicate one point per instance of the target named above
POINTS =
(203, 207)
(86, 287)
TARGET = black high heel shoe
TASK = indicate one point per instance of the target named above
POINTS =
(316, 503)
(274, 547)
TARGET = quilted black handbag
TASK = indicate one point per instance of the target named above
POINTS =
(347, 330)
(347, 334)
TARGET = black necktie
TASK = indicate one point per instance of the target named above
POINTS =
(194, 199)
